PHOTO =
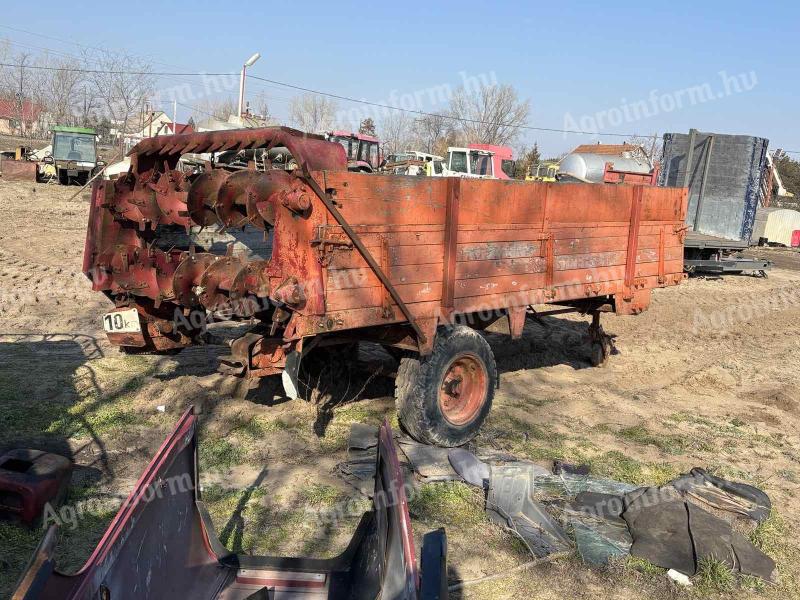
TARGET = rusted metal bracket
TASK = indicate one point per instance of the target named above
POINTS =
(326, 246)
(326, 200)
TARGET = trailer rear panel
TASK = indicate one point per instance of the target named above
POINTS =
(724, 180)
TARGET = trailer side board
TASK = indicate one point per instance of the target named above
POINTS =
(510, 243)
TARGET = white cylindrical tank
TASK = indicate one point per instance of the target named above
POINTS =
(590, 167)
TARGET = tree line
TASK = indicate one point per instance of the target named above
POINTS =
(98, 89)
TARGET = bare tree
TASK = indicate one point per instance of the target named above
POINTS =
(122, 85)
(433, 132)
(313, 113)
(492, 114)
(60, 91)
(87, 104)
(261, 106)
(652, 145)
(397, 132)
(218, 108)
(18, 82)
(5, 57)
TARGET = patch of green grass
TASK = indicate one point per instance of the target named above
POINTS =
(615, 465)
(604, 428)
(25, 416)
(318, 494)
(107, 418)
(260, 426)
(337, 433)
(534, 441)
(770, 536)
(18, 544)
(644, 566)
(730, 472)
(77, 542)
(752, 583)
(449, 503)
(275, 528)
(336, 438)
(226, 498)
(218, 453)
(713, 577)
(539, 432)
(639, 434)
(731, 432)
(236, 515)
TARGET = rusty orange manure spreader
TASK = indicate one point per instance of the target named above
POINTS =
(416, 264)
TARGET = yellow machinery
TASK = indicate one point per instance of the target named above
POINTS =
(546, 171)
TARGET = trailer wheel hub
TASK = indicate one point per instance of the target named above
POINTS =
(463, 389)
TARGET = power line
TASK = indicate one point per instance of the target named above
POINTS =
(317, 92)
(331, 95)
(440, 116)
(147, 58)
(112, 72)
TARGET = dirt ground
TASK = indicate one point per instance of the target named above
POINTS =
(707, 377)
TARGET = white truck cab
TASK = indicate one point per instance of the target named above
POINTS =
(469, 162)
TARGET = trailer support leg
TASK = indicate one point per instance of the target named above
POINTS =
(602, 344)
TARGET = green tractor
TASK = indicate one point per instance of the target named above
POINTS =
(74, 155)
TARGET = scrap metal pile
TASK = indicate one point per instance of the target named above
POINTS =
(676, 526)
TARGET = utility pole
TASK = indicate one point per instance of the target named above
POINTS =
(21, 103)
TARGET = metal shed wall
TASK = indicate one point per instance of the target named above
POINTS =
(731, 195)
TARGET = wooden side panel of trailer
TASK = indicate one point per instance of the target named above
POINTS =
(461, 245)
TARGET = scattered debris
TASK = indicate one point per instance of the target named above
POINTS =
(736, 498)
(469, 468)
(509, 502)
(679, 578)
(672, 526)
(675, 533)
(600, 532)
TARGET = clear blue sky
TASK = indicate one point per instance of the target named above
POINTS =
(579, 63)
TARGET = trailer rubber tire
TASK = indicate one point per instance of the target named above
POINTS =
(444, 398)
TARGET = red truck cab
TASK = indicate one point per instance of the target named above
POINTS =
(363, 151)
(503, 159)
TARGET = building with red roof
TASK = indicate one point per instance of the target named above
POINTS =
(16, 119)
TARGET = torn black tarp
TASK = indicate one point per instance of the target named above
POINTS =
(674, 533)
(738, 499)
